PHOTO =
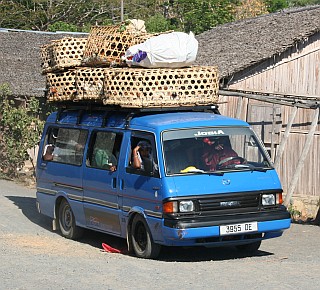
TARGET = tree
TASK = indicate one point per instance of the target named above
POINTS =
(276, 5)
(40, 14)
(158, 23)
(250, 8)
(199, 16)
(181, 15)
(20, 130)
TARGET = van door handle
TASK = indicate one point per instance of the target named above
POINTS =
(114, 182)
(155, 188)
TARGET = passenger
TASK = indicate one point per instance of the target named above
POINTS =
(140, 153)
(217, 149)
(50, 150)
(105, 159)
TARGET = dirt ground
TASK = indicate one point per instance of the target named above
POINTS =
(35, 257)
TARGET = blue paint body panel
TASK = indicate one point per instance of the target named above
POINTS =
(106, 201)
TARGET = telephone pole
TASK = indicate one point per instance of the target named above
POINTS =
(121, 11)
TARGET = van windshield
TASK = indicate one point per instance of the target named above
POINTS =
(215, 149)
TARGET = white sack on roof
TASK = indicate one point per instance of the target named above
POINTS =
(170, 50)
(136, 25)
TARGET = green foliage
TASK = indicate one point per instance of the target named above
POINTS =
(198, 16)
(160, 15)
(295, 214)
(158, 23)
(62, 26)
(20, 130)
(294, 3)
(276, 5)
(250, 8)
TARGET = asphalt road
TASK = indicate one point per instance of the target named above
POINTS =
(32, 256)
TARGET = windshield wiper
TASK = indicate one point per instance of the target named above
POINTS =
(196, 170)
(251, 167)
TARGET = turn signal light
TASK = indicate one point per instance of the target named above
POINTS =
(170, 207)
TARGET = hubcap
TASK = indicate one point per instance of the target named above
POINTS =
(141, 236)
(67, 217)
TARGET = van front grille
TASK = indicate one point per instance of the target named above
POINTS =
(229, 201)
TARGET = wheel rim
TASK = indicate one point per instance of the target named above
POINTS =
(140, 236)
(67, 217)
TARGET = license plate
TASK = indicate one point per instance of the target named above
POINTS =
(238, 228)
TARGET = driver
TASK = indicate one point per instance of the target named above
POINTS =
(217, 149)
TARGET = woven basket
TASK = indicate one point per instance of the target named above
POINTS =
(132, 87)
(46, 52)
(76, 85)
(63, 53)
(89, 84)
(61, 86)
(107, 44)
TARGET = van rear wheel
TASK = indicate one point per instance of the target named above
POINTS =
(67, 222)
(142, 243)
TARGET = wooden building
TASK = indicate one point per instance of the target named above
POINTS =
(270, 77)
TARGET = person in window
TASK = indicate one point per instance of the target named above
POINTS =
(140, 153)
(103, 158)
(217, 149)
(50, 150)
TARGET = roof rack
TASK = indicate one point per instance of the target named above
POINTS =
(147, 111)
(131, 112)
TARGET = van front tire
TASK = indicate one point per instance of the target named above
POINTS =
(141, 239)
(67, 222)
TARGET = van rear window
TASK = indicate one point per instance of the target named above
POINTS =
(65, 145)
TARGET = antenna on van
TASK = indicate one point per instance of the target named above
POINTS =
(128, 119)
(60, 110)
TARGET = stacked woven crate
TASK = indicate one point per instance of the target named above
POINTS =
(92, 70)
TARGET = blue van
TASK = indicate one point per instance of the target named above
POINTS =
(188, 177)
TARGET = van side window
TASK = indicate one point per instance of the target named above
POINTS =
(104, 150)
(143, 155)
(65, 145)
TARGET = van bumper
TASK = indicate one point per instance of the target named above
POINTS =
(210, 236)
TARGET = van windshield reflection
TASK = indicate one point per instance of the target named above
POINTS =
(213, 150)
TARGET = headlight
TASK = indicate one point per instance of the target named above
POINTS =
(178, 206)
(186, 206)
(271, 199)
(268, 199)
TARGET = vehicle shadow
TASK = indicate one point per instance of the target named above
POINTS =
(200, 254)
(28, 207)
(168, 254)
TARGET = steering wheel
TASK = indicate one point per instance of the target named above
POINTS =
(225, 160)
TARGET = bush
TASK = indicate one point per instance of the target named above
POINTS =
(20, 130)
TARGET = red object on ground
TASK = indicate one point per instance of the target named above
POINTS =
(109, 249)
